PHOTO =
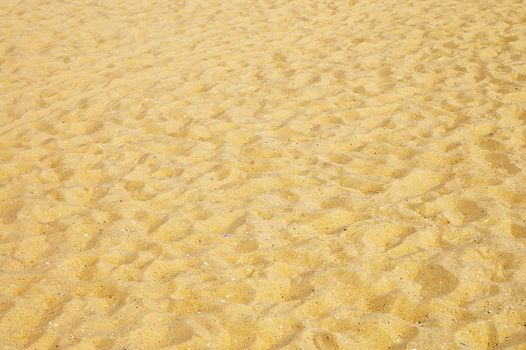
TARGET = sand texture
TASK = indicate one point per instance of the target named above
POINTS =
(271, 174)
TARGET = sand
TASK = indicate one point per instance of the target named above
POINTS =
(262, 174)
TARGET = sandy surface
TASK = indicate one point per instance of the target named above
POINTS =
(262, 174)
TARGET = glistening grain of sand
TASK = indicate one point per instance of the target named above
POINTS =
(262, 174)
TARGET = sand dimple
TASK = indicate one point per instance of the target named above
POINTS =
(262, 175)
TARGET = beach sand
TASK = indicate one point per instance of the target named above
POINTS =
(262, 174)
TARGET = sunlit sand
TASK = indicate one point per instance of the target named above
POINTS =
(262, 174)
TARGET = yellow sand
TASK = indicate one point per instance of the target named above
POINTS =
(237, 174)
